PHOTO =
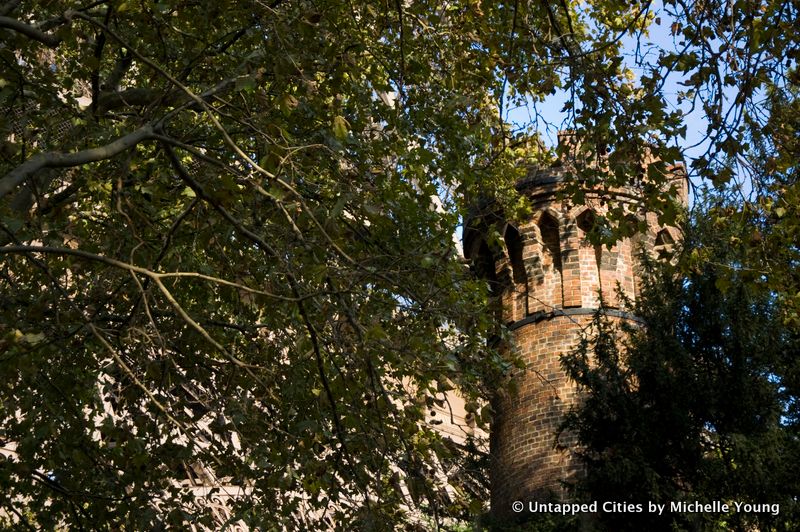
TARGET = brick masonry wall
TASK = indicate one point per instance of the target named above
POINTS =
(549, 281)
(530, 459)
(526, 460)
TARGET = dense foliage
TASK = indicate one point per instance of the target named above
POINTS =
(220, 250)
(698, 402)
(226, 230)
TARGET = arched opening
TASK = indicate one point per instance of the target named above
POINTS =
(663, 244)
(485, 268)
(552, 293)
(551, 240)
(664, 238)
(519, 292)
(514, 246)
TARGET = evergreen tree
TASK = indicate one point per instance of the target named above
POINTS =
(697, 403)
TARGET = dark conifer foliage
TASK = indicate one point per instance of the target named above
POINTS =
(696, 404)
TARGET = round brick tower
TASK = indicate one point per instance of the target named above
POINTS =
(547, 278)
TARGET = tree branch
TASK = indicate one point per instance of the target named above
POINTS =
(29, 31)
(196, 98)
(108, 101)
(23, 249)
(60, 160)
(120, 68)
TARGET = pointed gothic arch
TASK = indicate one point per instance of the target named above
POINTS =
(550, 293)
(514, 247)
(519, 275)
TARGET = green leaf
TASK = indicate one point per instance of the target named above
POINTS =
(340, 127)
(33, 338)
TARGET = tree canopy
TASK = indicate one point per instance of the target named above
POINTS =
(697, 402)
(227, 229)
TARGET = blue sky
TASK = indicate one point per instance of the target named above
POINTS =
(551, 118)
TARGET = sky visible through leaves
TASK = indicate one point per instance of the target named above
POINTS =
(548, 117)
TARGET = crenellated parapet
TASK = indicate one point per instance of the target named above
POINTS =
(548, 263)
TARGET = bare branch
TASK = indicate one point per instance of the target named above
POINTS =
(120, 68)
(143, 271)
(136, 381)
(29, 31)
(156, 277)
(137, 96)
(198, 99)
(60, 160)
